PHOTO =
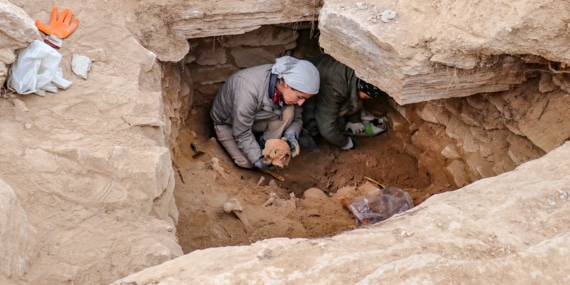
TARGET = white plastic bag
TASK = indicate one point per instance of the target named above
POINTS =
(36, 70)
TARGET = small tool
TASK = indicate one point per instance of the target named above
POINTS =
(275, 175)
(375, 182)
(197, 152)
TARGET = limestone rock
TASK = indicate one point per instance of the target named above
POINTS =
(212, 74)
(442, 49)
(450, 152)
(457, 170)
(248, 57)
(18, 238)
(17, 30)
(264, 36)
(165, 27)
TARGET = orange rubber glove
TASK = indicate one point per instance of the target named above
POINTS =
(60, 26)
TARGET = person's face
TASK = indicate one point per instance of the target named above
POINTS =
(363, 95)
(292, 96)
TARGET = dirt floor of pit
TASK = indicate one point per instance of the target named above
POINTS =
(202, 188)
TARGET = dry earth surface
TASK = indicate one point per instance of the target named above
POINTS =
(98, 182)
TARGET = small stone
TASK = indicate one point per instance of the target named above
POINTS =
(265, 254)
(388, 15)
(80, 65)
(260, 181)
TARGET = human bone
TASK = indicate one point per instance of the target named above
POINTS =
(276, 152)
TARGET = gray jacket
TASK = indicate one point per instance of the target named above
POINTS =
(243, 100)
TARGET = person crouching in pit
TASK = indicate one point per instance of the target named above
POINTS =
(264, 100)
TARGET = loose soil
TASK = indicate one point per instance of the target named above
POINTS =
(202, 188)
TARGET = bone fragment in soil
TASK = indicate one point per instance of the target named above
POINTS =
(270, 201)
(233, 205)
(218, 168)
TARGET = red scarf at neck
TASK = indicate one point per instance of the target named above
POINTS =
(278, 98)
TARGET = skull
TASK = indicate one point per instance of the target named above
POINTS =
(276, 152)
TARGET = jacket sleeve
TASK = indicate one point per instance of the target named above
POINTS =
(326, 115)
(244, 109)
(297, 123)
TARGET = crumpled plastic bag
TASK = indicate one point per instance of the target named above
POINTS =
(37, 70)
(381, 205)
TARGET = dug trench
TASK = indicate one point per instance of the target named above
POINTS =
(413, 154)
(202, 188)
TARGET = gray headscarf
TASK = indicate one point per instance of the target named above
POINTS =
(299, 74)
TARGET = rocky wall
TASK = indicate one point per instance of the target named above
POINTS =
(488, 134)
(212, 60)
(178, 96)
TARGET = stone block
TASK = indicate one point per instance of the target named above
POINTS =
(203, 75)
(521, 150)
(253, 56)
(264, 36)
(457, 170)
(458, 130)
(434, 112)
(546, 85)
(450, 152)
(479, 166)
(17, 30)
(18, 237)
(213, 56)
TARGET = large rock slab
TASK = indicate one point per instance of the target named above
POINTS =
(17, 31)
(447, 239)
(17, 236)
(165, 26)
(444, 48)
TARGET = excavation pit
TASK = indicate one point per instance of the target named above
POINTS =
(429, 148)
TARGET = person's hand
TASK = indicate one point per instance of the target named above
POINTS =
(292, 142)
(262, 166)
(61, 26)
(349, 145)
(355, 128)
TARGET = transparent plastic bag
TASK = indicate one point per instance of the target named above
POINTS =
(381, 205)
